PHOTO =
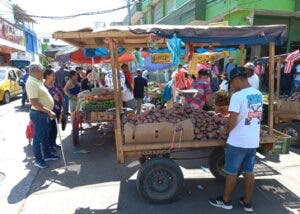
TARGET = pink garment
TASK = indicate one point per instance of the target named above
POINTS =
(290, 59)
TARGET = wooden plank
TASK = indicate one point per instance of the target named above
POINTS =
(118, 132)
(131, 147)
(158, 146)
(271, 86)
(242, 51)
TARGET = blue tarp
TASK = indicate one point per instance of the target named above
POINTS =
(99, 52)
(231, 35)
(30, 38)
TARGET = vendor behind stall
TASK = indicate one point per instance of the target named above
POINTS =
(203, 87)
(252, 77)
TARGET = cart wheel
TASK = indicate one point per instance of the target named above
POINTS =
(159, 180)
(216, 162)
(294, 131)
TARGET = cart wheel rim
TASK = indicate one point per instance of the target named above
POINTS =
(292, 132)
(160, 180)
(6, 97)
(220, 165)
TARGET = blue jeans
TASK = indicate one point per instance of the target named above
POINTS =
(41, 128)
(52, 134)
(66, 103)
(24, 95)
(237, 159)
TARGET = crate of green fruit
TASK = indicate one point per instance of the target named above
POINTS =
(281, 145)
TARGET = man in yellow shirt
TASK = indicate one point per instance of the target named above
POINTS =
(40, 114)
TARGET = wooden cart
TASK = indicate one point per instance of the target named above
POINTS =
(286, 113)
(160, 178)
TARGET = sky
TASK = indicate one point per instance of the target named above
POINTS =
(46, 27)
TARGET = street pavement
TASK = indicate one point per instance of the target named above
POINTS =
(96, 183)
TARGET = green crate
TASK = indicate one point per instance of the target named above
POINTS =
(281, 146)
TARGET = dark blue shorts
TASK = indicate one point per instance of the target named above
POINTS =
(237, 159)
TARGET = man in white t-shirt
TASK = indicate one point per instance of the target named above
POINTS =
(244, 133)
(252, 76)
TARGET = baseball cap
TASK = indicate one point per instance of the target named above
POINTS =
(249, 65)
(237, 72)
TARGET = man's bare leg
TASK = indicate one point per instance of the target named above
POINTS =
(249, 184)
(229, 187)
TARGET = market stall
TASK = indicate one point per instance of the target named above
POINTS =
(168, 130)
(287, 107)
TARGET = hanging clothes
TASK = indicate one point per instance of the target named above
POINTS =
(174, 45)
(290, 59)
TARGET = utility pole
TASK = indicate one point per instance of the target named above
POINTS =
(129, 12)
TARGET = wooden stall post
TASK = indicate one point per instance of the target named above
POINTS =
(118, 131)
(242, 51)
(271, 86)
(278, 68)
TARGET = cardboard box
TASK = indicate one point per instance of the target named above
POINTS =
(159, 132)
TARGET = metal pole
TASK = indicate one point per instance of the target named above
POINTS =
(129, 12)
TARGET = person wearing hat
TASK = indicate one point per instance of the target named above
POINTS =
(202, 84)
(139, 89)
(230, 66)
(243, 130)
(252, 76)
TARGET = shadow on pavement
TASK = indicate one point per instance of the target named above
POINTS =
(20, 108)
(100, 166)
(269, 195)
(21, 190)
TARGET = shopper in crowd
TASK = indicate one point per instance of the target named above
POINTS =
(72, 89)
(243, 131)
(139, 89)
(127, 96)
(252, 77)
(167, 75)
(230, 66)
(80, 73)
(296, 81)
(224, 84)
(85, 83)
(214, 76)
(203, 87)
(61, 77)
(145, 75)
(40, 114)
(58, 99)
(128, 76)
(22, 83)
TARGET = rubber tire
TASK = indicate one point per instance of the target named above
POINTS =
(217, 157)
(296, 141)
(153, 165)
(6, 93)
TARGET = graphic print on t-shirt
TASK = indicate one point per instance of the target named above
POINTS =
(255, 109)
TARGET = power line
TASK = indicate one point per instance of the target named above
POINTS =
(99, 12)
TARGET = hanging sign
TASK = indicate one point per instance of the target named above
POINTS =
(203, 58)
(161, 58)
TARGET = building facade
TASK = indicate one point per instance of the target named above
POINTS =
(17, 37)
(234, 12)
